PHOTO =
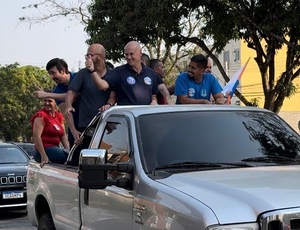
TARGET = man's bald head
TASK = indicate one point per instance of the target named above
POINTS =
(133, 53)
(96, 54)
(132, 45)
(97, 49)
(209, 65)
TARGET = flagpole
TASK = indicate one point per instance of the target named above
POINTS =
(228, 100)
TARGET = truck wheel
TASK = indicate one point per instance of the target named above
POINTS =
(46, 222)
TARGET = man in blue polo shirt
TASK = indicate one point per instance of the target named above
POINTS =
(134, 83)
(197, 86)
(60, 74)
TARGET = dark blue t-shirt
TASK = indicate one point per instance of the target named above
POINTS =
(63, 88)
(132, 88)
(90, 97)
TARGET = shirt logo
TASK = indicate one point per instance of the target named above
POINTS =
(56, 127)
(147, 80)
(191, 92)
(203, 93)
(130, 80)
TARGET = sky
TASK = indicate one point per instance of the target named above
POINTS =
(37, 44)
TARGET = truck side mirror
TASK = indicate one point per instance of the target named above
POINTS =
(89, 174)
(93, 170)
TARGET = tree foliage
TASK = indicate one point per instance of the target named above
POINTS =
(17, 104)
(266, 25)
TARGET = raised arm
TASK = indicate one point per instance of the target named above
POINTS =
(99, 82)
(43, 94)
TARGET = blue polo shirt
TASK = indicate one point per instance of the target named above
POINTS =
(132, 88)
(186, 85)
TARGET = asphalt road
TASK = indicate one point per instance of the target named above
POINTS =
(17, 220)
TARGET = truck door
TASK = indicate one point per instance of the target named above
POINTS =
(110, 208)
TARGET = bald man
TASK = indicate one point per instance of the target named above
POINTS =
(209, 65)
(91, 98)
(134, 83)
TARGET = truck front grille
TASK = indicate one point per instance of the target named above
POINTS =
(281, 220)
(10, 180)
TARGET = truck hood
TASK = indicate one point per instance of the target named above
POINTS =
(240, 195)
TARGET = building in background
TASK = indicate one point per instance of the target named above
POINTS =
(236, 54)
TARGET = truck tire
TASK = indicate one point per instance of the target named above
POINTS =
(46, 222)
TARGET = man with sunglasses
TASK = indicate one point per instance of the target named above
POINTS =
(91, 99)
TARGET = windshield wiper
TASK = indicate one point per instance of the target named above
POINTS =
(270, 159)
(190, 164)
(200, 164)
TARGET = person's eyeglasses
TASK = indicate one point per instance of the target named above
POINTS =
(90, 55)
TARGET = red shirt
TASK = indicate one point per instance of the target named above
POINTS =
(53, 130)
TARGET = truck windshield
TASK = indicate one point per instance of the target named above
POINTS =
(206, 136)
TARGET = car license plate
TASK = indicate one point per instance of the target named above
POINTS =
(12, 195)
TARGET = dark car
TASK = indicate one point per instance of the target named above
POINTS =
(28, 147)
(13, 169)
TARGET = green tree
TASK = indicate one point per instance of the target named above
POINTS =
(17, 104)
(266, 25)
(170, 54)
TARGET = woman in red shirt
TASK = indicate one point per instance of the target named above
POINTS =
(48, 132)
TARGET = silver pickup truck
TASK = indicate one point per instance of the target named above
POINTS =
(173, 167)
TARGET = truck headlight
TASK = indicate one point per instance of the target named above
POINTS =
(250, 226)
